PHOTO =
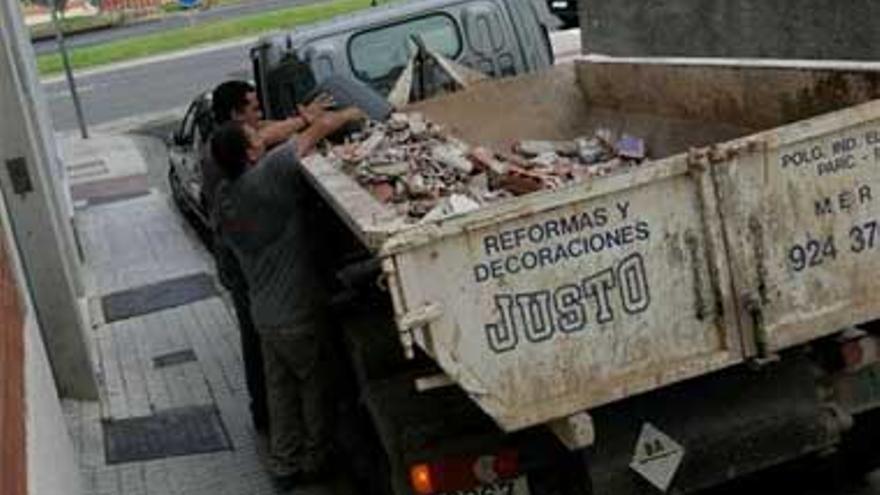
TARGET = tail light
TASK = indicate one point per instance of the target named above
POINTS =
(463, 473)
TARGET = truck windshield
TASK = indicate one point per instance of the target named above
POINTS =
(379, 56)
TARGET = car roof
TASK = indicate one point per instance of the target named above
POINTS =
(372, 16)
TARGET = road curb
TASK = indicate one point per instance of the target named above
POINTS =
(153, 60)
(129, 125)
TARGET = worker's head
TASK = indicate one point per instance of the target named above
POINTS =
(236, 100)
(236, 146)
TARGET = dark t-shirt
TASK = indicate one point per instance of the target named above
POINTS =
(228, 269)
(211, 178)
(264, 221)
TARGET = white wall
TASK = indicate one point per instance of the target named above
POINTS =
(52, 465)
(39, 220)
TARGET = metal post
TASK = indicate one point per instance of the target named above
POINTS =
(71, 83)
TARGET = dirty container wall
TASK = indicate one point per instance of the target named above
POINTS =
(604, 294)
(509, 348)
(573, 100)
(748, 95)
(801, 213)
(546, 369)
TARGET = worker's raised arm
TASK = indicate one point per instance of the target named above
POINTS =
(323, 126)
(273, 132)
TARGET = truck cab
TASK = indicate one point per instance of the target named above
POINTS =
(498, 38)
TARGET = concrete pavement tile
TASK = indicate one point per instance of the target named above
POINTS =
(102, 156)
(134, 479)
(108, 481)
(200, 388)
(117, 405)
(141, 241)
(132, 367)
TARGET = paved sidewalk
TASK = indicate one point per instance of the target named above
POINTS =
(158, 348)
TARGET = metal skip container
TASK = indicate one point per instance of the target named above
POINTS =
(555, 302)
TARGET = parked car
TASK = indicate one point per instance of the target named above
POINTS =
(504, 38)
(185, 148)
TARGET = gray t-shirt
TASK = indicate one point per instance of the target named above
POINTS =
(264, 221)
(211, 179)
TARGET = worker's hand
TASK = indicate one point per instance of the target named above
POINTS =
(325, 125)
(330, 122)
(316, 108)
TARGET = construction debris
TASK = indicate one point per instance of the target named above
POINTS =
(416, 167)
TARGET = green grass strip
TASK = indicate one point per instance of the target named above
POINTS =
(199, 34)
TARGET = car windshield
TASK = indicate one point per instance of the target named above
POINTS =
(380, 55)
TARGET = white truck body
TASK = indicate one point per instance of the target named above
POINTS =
(753, 228)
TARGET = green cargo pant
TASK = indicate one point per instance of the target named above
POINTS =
(296, 386)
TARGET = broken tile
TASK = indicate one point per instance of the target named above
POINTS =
(484, 159)
(536, 148)
(520, 181)
(371, 144)
(420, 208)
(453, 157)
(397, 169)
(455, 204)
(631, 147)
(417, 124)
(382, 191)
(398, 122)
(547, 160)
(419, 169)
(591, 150)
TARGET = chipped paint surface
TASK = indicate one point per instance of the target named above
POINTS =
(803, 216)
(554, 302)
(564, 308)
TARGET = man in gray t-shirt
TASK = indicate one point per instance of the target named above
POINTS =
(267, 225)
(263, 218)
(237, 100)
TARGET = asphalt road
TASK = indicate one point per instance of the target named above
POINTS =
(172, 83)
(183, 19)
(146, 88)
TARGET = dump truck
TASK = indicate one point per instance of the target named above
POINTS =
(666, 327)
(693, 319)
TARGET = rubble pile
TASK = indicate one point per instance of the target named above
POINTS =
(421, 170)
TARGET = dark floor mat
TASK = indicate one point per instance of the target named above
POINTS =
(176, 432)
(156, 297)
(174, 358)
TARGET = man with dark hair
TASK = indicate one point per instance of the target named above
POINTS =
(237, 101)
(263, 219)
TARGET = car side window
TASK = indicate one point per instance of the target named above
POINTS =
(204, 120)
(185, 134)
(379, 55)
